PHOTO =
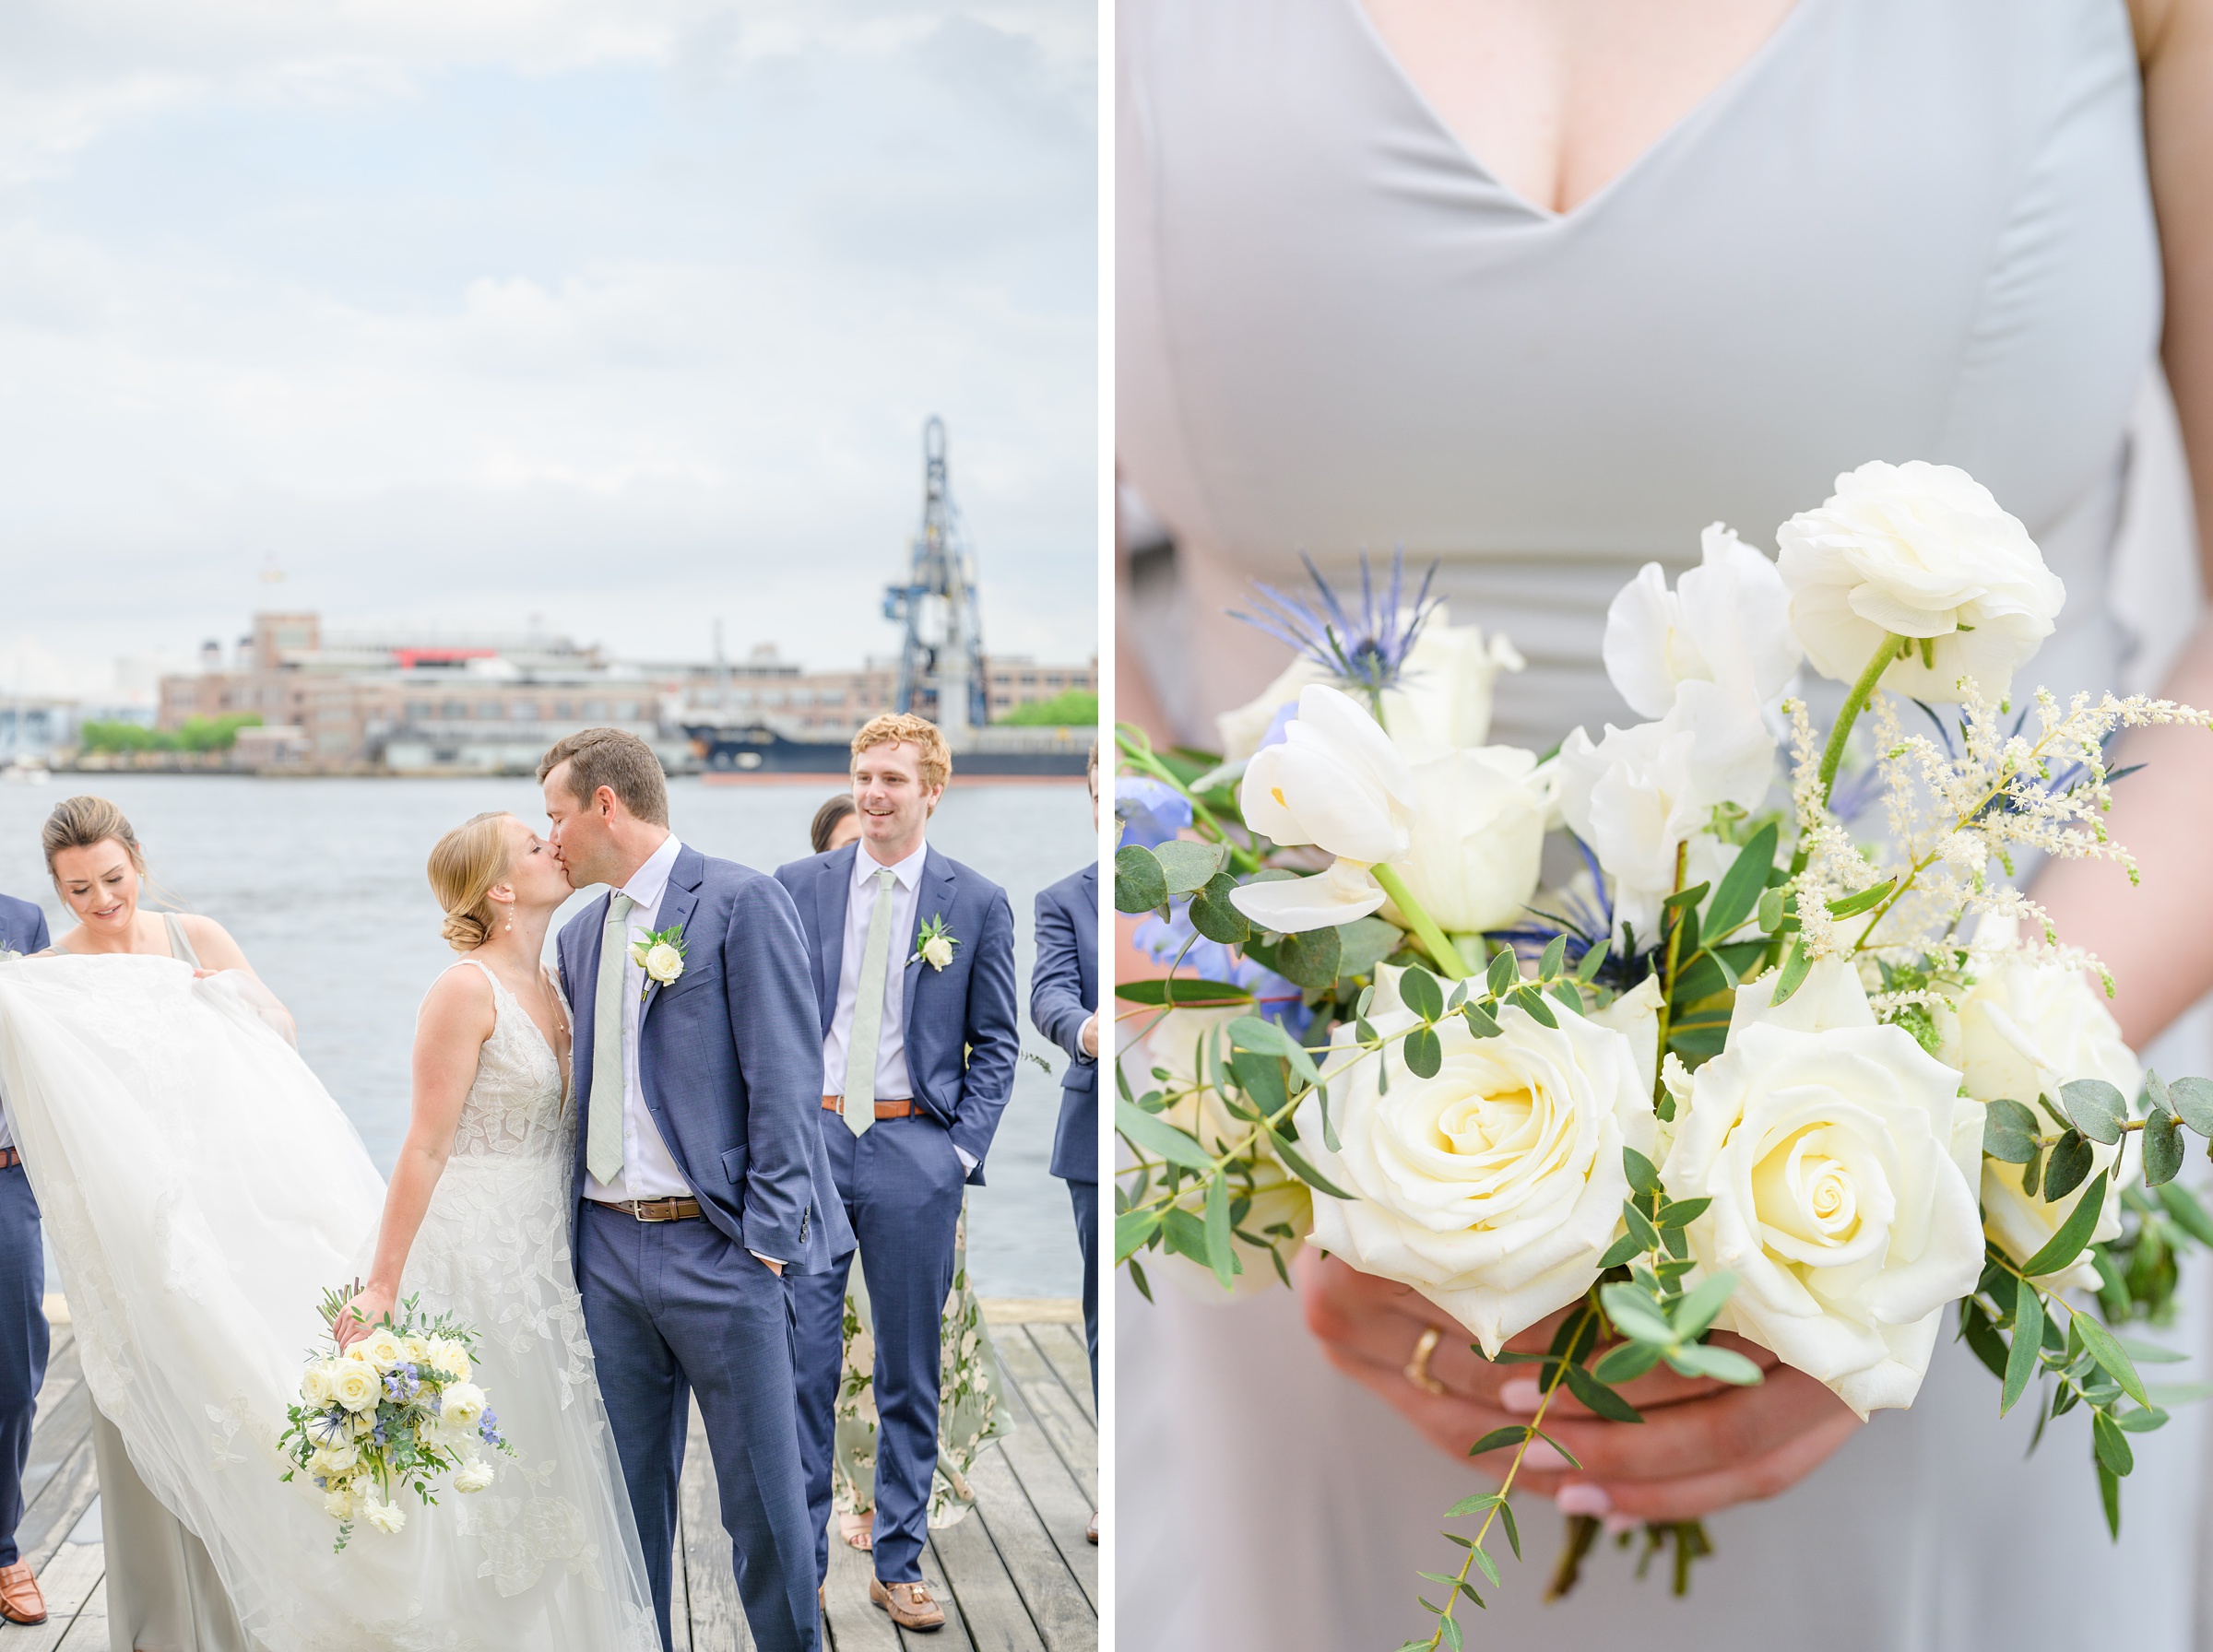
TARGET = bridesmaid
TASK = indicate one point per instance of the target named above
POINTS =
(163, 1592)
(969, 1413)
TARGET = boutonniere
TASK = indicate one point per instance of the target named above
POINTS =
(934, 943)
(660, 955)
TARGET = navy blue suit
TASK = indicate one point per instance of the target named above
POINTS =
(23, 1333)
(731, 1062)
(900, 1183)
(1064, 993)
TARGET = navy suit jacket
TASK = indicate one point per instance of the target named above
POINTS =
(22, 927)
(729, 1059)
(1063, 994)
(959, 1022)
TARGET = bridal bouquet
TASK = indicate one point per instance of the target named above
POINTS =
(395, 1409)
(1739, 1067)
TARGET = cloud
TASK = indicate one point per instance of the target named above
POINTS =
(625, 314)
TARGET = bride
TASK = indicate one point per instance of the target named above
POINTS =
(201, 1189)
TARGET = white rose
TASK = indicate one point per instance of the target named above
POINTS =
(463, 1404)
(357, 1386)
(1278, 1196)
(1726, 623)
(474, 1476)
(1243, 729)
(1477, 836)
(664, 962)
(1642, 790)
(937, 952)
(2022, 1031)
(1918, 551)
(449, 1358)
(314, 1384)
(386, 1517)
(1335, 780)
(338, 1457)
(417, 1348)
(1841, 1162)
(382, 1349)
(1493, 1187)
(1442, 701)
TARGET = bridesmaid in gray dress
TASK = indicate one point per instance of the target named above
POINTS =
(1538, 289)
(163, 1594)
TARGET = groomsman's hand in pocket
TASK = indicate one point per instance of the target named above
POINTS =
(1702, 1446)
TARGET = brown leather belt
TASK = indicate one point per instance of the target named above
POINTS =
(654, 1210)
(902, 1108)
(9, 1158)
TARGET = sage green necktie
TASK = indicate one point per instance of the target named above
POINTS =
(867, 1010)
(603, 1139)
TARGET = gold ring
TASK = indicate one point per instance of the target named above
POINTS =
(1417, 1368)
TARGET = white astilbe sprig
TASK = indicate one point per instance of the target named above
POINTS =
(1834, 865)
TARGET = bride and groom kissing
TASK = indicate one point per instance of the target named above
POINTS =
(659, 1240)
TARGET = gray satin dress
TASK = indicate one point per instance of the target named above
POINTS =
(1904, 229)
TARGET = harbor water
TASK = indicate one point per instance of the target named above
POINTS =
(321, 881)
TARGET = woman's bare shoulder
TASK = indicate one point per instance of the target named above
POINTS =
(459, 1001)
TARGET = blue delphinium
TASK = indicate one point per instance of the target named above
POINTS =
(1151, 811)
(1367, 651)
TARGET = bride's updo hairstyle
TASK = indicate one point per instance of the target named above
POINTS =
(82, 822)
(467, 862)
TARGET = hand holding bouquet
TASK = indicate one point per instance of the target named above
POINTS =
(394, 1410)
(1748, 1070)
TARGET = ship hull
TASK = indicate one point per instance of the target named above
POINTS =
(751, 753)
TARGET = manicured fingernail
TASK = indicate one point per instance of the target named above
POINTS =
(1617, 1524)
(1520, 1394)
(1582, 1498)
(1541, 1456)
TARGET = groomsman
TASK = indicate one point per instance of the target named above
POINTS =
(1064, 1003)
(22, 1314)
(914, 971)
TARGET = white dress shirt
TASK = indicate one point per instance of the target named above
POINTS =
(648, 1171)
(891, 1080)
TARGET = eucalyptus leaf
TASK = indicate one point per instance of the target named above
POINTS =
(2097, 1108)
(1363, 944)
(1500, 1437)
(2112, 1357)
(1635, 1316)
(1791, 977)
(1257, 1033)
(1864, 900)
(1599, 1399)
(1695, 1309)
(2009, 1132)
(1131, 1230)
(1214, 916)
(2163, 1148)
(2070, 1162)
(1218, 1251)
(2074, 1233)
(2020, 1362)
(1309, 959)
(1594, 960)
(1158, 1137)
(1187, 866)
(1503, 972)
(1555, 961)
(2181, 1204)
(1744, 883)
(1723, 1364)
(1180, 990)
(1626, 1361)
(1419, 992)
(1140, 885)
(1423, 1052)
(2192, 1100)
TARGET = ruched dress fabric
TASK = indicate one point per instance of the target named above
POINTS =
(1903, 228)
(201, 1190)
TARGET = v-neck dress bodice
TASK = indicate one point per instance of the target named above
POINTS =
(1903, 228)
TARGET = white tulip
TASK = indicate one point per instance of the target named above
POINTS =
(1243, 729)
(1727, 622)
(1478, 834)
(1917, 550)
(1493, 1188)
(1442, 701)
(1842, 1162)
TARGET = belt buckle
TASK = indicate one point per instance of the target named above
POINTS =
(639, 1207)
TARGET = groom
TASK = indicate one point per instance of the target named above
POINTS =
(23, 1334)
(701, 1177)
(914, 976)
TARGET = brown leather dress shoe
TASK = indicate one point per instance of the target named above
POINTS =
(20, 1601)
(1091, 1532)
(909, 1604)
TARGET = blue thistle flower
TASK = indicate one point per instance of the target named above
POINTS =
(1367, 651)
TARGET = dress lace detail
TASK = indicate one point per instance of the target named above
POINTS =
(493, 1248)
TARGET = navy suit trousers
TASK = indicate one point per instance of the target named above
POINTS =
(23, 1343)
(675, 1309)
(900, 1183)
(1084, 1195)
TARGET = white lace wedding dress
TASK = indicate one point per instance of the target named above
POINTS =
(201, 1190)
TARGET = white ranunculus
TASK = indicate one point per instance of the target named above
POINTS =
(449, 1357)
(1478, 834)
(1442, 701)
(1493, 1187)
(1641, 792)
(1243, 729)
(1918, 551)
(1841, 1162)
(461, 1404)
(417, 1348)
(356, 1386)
(2023, 1029)
(1726, 623)
(386, 1517)
(474, 1476)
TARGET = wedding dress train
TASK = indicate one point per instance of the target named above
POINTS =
(201, 1190)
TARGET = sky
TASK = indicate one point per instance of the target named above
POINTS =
(620, 315)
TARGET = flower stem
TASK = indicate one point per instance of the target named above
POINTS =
(1441, 946)
(1833, 753)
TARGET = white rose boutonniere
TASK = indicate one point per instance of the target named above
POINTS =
(934, 943)
(661, 955)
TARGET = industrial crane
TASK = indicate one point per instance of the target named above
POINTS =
(941, 659)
